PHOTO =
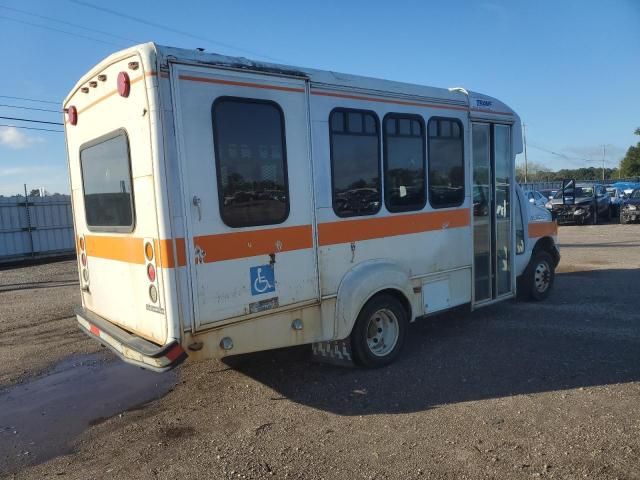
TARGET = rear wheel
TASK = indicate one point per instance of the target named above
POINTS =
(378, 335)
(540, 276)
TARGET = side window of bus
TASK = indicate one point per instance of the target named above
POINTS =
(251, 161)
(404, 162)
(446, 162)
(107, 185)
(355, 162)
(519, 229)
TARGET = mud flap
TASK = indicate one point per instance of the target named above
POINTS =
(335, 352)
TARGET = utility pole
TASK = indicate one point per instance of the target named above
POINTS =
(604, 150)
(524, 133)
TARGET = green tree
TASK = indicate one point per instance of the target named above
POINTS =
(630, 164)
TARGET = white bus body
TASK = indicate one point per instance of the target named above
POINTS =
(225, 206)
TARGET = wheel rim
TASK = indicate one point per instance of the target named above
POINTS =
(542, 277)
(382, 332)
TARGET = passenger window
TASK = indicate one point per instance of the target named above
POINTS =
(404, 163)
(355, 162)
(519, 230)
(446, 163)
(107, 185)
(251, 161)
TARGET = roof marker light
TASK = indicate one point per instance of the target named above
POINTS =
(93, 84)
(102, 77)
(133, 65)
(124, 84)
(84, 89)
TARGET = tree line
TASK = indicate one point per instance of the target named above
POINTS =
(629, 168)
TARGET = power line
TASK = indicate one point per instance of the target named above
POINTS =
(75, 25)
(31, 128)
(30, 120)
(30, 108)
(77, 35)
(170, 29)
(29, 99)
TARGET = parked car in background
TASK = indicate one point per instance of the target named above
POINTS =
(630, 208)
(536, 198)
(626, 187)
(548, 194)
(591, 205)
(616, 197)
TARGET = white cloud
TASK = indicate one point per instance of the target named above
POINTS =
(16, 139)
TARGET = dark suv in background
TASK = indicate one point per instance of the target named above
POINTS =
(591, 205)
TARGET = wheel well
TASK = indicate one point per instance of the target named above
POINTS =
(547, 244)
(400, 297)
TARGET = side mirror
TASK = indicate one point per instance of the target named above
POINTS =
(568, 192)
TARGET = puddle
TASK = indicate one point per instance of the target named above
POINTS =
(40, 419)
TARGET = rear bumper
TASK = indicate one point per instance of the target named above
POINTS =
(130, 348)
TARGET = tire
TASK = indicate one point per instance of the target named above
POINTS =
(594, 217)
(608, 216)
(379, 332)
(540, 275)
(623, 221)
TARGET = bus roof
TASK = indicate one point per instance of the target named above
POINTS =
(455, 96)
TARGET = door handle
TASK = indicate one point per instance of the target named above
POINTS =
(196, 203)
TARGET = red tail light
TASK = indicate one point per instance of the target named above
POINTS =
(83, 259)
(124, 84)
(72, 115)
(151, 272)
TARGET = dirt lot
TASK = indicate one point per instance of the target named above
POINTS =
(518, 390)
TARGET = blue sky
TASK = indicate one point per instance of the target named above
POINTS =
(571, 69)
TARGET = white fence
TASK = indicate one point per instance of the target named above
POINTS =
(39, 227)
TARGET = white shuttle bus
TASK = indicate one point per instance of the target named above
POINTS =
(225, 206)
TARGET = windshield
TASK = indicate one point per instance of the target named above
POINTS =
(580, 192)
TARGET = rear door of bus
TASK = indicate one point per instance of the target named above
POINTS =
(243, 142)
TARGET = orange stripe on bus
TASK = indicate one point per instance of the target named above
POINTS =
(229, 246)
(181, 250)
(385, 100)
(347, 231)
(240, 84)
(402, 102)
(123, 249)
(164, 249)
(543, 229)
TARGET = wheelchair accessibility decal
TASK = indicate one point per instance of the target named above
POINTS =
(263, 279)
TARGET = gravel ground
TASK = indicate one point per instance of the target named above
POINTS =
(36, 324)
(516, 390)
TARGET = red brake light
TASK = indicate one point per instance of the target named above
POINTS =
(72, 115)
(124, 84)
(151, 272)
(83, 259)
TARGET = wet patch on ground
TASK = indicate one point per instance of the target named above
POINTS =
(41, 418)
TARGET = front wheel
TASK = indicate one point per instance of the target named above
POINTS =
(540, 276)
(378, 335)
(594, 217)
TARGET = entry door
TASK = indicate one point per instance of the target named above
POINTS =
(492, 223)
(243, 143)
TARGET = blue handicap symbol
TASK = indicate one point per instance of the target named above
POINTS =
(263, 279)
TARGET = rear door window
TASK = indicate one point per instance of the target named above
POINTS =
(251, 163)
(107, 184)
